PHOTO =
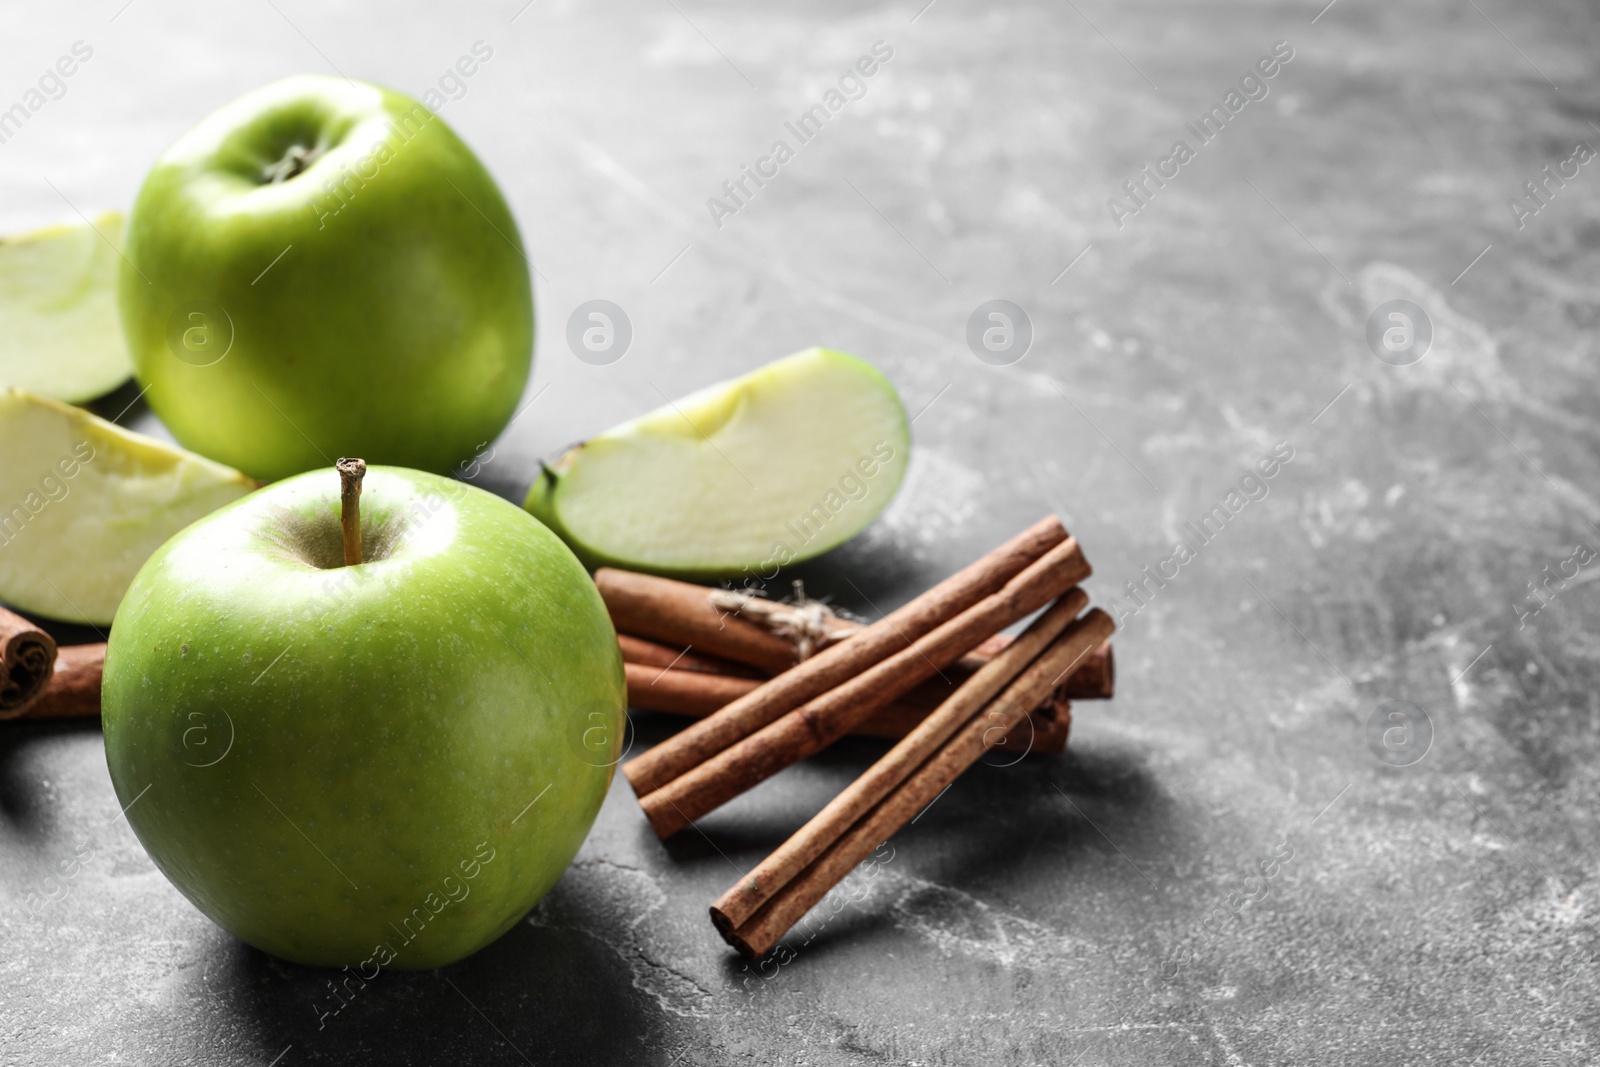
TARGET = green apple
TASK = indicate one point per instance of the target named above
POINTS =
(378, 765)
(59, 334)
(323, 268)
(740, 478)
(83, 503)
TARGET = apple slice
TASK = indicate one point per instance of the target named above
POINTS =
(83, 503)
(59, 332)
(740, 478)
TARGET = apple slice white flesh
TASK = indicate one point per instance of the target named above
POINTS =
(740, 478)
(83, 503)
(60, 335)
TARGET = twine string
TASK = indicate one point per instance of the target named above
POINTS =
(803, 621)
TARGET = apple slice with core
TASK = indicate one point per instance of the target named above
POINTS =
(59, 332)
(83, 503)
(738, 479)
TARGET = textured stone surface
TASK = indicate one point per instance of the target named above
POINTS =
(1045, 912)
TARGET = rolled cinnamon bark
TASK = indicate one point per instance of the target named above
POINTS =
(1043, 733)
(790, 858)
(697, 694)
(1094, 679)
(825, 719)
(870, 824)
(27, 656)
(73, 691)
(663, 657)
(841, 662)
(677, 611)
(682, 613)
(692, 693)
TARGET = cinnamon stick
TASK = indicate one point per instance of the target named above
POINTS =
(1043, 733)
(684, 658)
(789, 859)
(1094, 678)
(840, 662)
(27, 655)
(73, 691)
(676, 610)
(696, 694)
(693, 693)
(825, 719)
(681, 613)
(848, 830)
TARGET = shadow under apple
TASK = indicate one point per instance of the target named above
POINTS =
(21, 805)
(537, 992)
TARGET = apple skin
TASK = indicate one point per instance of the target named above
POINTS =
(398, 325)
(330, 760)
(669, 481)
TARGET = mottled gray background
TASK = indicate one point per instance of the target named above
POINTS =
(1436, 913)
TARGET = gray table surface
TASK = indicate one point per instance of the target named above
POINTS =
(1054, 911)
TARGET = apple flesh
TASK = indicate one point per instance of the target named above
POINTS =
(59, 334)
(378, 765)
(737, 479)
(83, 503)
(320, 269)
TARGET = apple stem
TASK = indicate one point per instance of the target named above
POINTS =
(297, 159)
(351, 471)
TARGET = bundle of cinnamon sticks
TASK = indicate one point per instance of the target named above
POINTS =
(862, 679)
(671, 674)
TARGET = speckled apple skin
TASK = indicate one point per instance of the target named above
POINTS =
(377, 766)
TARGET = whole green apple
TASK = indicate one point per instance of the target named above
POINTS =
(323, 268)
(384, 764)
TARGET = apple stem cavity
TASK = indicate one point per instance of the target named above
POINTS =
(351, 471)
(297, 159)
